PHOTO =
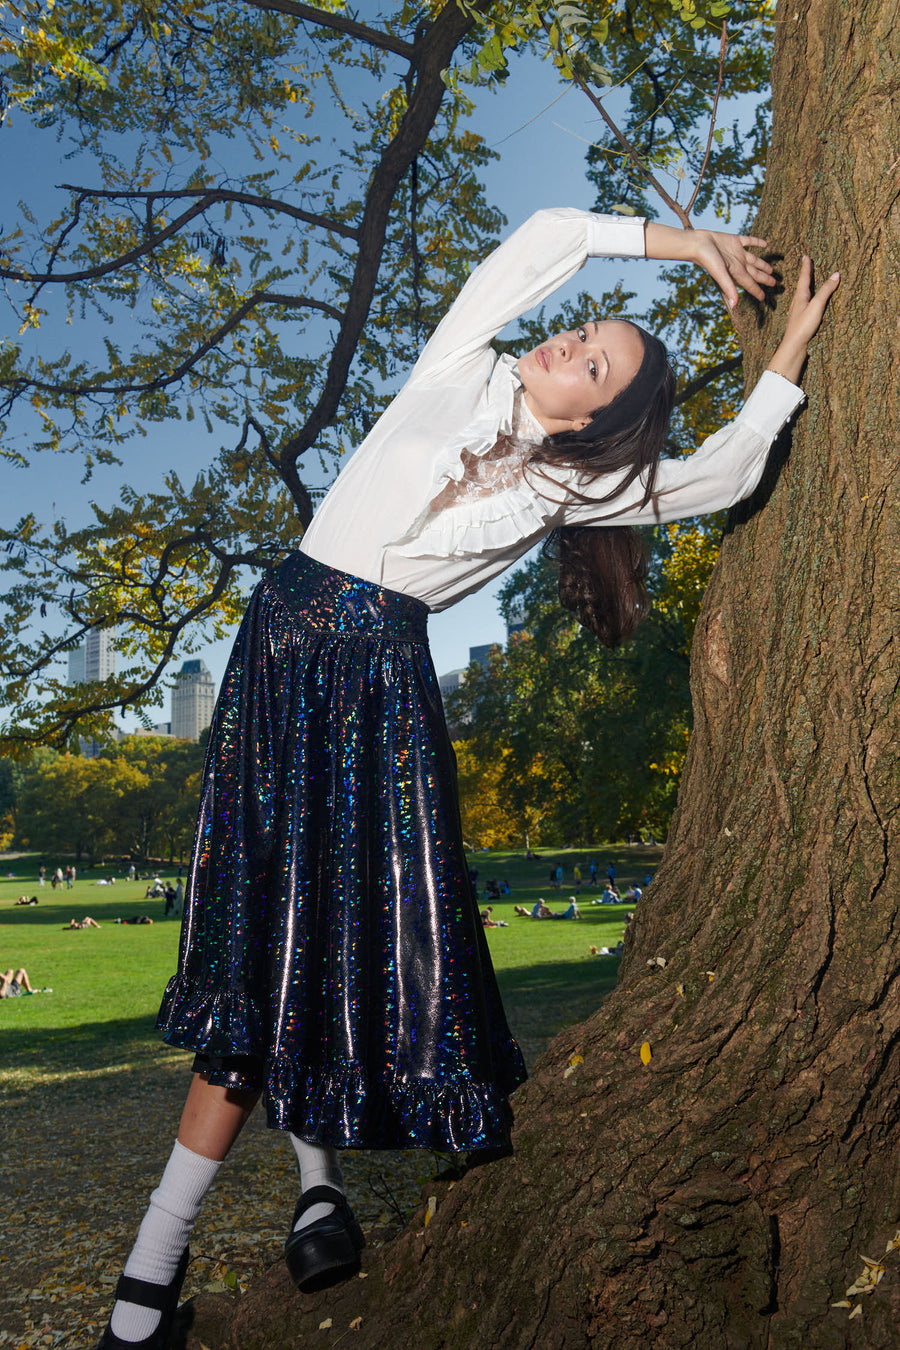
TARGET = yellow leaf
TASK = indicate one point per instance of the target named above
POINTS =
(679, 990)
(573, 1065)
(356, 1324)
(857, 1311)
(430, 1209)
(646, 1053)
(841, 1304)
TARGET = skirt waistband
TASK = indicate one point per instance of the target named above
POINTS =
(325, 600)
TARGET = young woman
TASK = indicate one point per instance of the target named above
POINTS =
(332, 955)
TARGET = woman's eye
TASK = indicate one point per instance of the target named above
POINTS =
(581, 334)
(592, 367)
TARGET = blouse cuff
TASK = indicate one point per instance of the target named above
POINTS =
(616, 236)
(772, 402)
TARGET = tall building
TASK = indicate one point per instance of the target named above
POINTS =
(482, 654)
(193, 700)
(453, 680)
(76, 665)
(99, 655)
(516, 621)
(96, 660)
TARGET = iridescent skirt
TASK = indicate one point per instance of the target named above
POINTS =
(331, 949)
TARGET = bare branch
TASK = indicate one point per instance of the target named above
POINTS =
(374, 37)
(708, 376)
(723, 48)
(627, 146)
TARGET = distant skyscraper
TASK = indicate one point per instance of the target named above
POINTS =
(453, 680)
(76, 666)
(99, 655)
(482, 654)
(516, 621)
(193, 700)
(95, 660)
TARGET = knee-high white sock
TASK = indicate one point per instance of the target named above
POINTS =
(318, 1167)
(163, 1235)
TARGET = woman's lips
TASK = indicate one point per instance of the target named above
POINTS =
(540, 357)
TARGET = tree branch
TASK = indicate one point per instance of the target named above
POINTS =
(208, 197)
(374, 37)
(433, 53)
(707, 376)
(223, 195)
(723, 48)
(162, 381)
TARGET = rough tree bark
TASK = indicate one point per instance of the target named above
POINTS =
(720, 1195)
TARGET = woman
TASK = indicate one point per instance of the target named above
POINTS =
(332, 956)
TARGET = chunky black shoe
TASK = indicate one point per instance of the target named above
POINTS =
(163, 1297)
(326, 1251)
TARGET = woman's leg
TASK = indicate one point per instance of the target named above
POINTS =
(211, 1121)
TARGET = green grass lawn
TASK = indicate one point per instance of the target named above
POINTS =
(107, 983)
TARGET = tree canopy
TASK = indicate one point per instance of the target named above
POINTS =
(273, 205)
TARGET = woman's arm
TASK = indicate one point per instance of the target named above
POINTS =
(728, 465)
(726, 257)
(533, 262)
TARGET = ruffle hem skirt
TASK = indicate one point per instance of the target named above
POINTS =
(331, 950)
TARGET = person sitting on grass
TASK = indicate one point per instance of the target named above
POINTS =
(608, 897)
(571, 911)
(86, 922)
(15, 983)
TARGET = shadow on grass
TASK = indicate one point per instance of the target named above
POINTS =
(541, 1000)
(90, 1048)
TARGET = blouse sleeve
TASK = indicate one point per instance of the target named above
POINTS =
(537, 258)
(725, 469)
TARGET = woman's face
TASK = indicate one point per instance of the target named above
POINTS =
(568, 377)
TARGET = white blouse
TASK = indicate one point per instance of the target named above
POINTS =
(435, 502)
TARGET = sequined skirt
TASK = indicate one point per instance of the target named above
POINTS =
(331, 948)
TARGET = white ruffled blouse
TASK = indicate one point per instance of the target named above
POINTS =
(436, 501)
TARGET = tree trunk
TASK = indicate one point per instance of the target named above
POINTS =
(720, 1195)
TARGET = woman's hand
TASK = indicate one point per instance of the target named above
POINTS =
(726, 257)
(804, 316)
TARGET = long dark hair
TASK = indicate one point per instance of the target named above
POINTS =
(603, 569)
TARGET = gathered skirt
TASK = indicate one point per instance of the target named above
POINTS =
(332, 952)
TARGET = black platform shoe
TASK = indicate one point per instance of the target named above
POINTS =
(325, 1251)
(163, 1297)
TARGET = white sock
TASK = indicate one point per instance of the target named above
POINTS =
(163, 1235)
(318, 1167)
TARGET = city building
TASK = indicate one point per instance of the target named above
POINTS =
(450, 682)
(99, 654)
(516, 621)
(159, 729)
(76, 665)
(481, 655)
(193, 700)
(95, 660)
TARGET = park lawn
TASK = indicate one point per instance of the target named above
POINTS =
(107, 982)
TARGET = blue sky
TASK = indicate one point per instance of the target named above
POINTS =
(541, 139)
